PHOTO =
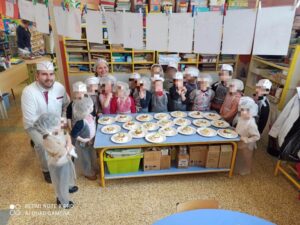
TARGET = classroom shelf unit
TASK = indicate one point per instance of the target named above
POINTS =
(283, 72)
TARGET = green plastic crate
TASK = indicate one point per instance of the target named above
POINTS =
(126, 164)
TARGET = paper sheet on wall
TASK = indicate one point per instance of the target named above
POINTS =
(94, 27)
(239, 26)
(133, 30)
(208, 33)
(157, 32)
(42, 18)
(273, 30)
(115, 22)
(9, 8)
(181, 30)
(60, 17)
(26, 10)
(74, 23)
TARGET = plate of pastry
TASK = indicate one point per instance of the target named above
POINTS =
(111, 129)
(131, 125)
(155, 137)
(123, 118)
(227, 133)
(220, 124)
(138, 132)
(168, 131)
(106, 120)
(186, 130)
(196, 114)
(206, 132)
(201, 123)
(182, 122)
(121, 138)
(178, 114)
(165, 123)
(150, 126)
(162, 116)
(144, 117)
(212, 116)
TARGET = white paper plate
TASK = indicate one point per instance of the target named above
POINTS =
(106, 120)
(182, 122)
(168, 131)
(115, 138)
(212, 116)
(162, 116)
(178, 114)
(139, 135)
(232, 134)
(144, 117)
(123, 118)
(150, 126)
(190, 131)
(131, 125)
(111, 129)
(161, 139)
(201, 123)
(165, 123)
(206, 132)
(220, 124)
(196, 114)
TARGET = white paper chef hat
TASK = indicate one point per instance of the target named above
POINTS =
(248, 103)
(79, 87)
(226, 67)
(108, 79)
(98, 62)
(173, 65)
(193, 71)
(178, 76)
(157, 77)
(47, 123)
(238, 83)
(124, 87)
(264, 83)
(44, 65)
(161, 69)
(206, 78)
(135, 76)
(92, 80)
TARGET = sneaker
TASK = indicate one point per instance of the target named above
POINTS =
(94, 177)
(47, 177)
(73, 189)
(65, 206)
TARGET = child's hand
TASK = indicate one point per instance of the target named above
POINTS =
(84, 140)
(109, 95)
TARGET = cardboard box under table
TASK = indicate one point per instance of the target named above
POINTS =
(103, 143)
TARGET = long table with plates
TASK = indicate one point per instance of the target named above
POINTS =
(104, 140)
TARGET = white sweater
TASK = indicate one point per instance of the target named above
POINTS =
(248, 131)
(33, 102)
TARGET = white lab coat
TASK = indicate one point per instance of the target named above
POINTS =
(34, 104)
(286, 119)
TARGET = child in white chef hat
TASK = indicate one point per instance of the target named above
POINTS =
(79, 90)
(248, 131)
(132, 81)
(106, 95)
(202, 96)
(172, 69)
(142, 95)
(178, 94)
(159, 101)
(92, 84)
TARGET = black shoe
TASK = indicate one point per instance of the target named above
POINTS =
(73, 189)
(32, 143)
(65, 206)
(47, 177)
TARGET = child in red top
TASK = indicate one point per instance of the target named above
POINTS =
(122, 102)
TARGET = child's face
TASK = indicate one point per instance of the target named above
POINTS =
(260, 91)
(158, 86)
(93, 88)
(171, 72)
(120, 91)
(232, 88)
(140, 86)
(77, 95)
(107, 88)
(178, 83)
(245, 114)
(224, 76)
(203, 85)
(155, 70)
(132, 83)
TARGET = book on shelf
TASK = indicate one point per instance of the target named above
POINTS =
(108, 5)
(155, 5)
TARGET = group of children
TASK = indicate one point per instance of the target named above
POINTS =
(187, 91)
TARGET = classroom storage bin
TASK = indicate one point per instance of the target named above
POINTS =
(123, 164)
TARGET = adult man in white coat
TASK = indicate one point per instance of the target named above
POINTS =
(45, 95)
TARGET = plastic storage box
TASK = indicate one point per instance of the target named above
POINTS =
(123, 164)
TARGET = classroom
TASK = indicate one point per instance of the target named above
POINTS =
(140, 112)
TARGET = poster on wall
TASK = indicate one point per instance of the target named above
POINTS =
(94, 27)
(26, 10)
(114, 22)
(42, 18)
(133, 30)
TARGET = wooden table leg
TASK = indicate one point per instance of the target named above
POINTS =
(101, 163)
(277, 167)
(234, 145)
